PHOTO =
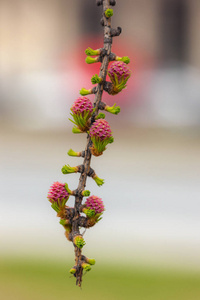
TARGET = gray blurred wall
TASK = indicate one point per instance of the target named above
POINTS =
(36, 35)
(32, 32)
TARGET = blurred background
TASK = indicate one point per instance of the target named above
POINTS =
(151, 191)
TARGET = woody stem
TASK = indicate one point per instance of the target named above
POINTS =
(88, 155)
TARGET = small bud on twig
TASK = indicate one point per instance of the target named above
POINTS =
(98, 180)
(85, 193)
(113, 110)
(92, 60)
(73, 153)
(85, 92)
(112, 2)
(116, 32)
(90, 261)
(100, 116)
(125, 59)
(89, 212)
(96, 79)
(109, 12)
(90, 52)
(86, 267)
(72, 270)
(79, 241)
(68, 170)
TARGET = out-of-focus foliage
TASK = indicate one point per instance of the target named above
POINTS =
(32, 279)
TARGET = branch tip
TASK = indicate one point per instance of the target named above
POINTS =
(86, 267)
(113, 110)
(109, 13)
(73, 153)
(96, 79)
(85, 193)
(84, 92)
(68, 170)
(90, 52)
(100, 116)
(98, 180)
(91, 60)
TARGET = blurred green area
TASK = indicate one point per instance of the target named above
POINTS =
(31, 279)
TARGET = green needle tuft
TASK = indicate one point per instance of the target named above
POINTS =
(76, 130)
(68, 170)
(63, 222)
(90, 51)
(55, 207)
(72, 271)
(113, 109)
(96, 79)
(86, 267)
(125, 59)
(86, 193)
(100, 116)
(79, 242)
(109, 13)
(72, 153)
(91, 261)
(89, 212)
(67, 188)
(90, 60)
(99, 181)
(84, 92)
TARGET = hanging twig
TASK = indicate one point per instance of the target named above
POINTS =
(86, 119)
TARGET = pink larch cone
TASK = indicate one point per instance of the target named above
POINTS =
(57, 193)
(81, 112)
(119, 74)
(95, 203)
(101, 135)
(82, 105)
